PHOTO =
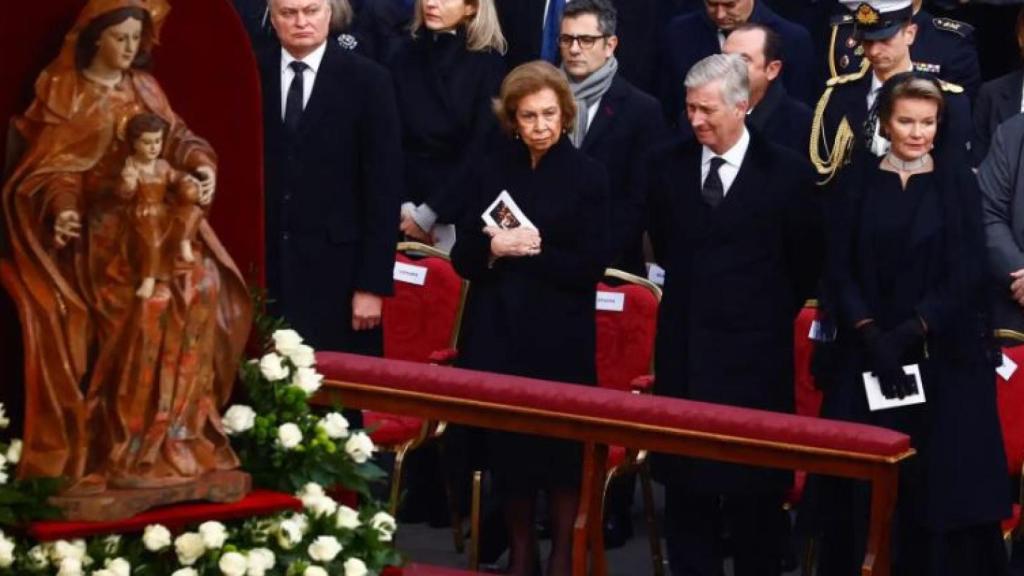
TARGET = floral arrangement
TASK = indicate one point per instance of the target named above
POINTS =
(286, 447)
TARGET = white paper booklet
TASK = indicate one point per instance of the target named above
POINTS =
(877, 401)
(505, 213)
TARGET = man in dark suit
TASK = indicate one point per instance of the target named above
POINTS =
(616, 123)
(998, 100)
(640, 23)
(773, 113)
(735, 225)
(693, 36)
(943, 47)
(333, 158)
(847, 112)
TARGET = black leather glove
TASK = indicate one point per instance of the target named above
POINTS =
(885, 351)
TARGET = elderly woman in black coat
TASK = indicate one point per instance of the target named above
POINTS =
(530, 310)
(445, 77)
(907, 274)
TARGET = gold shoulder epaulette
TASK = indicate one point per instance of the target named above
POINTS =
(843, 79)
(951, 87)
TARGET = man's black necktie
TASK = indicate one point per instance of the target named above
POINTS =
(293, 103)
(713, 190)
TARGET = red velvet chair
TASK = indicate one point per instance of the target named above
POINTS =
(808, 397)
(1010, 398)
(421, 318)
(625, 361)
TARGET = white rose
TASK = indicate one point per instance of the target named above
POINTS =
(303, 356)
(189, 547)
(289, 533)
(239, 418)
(63, 549)
(355, 567)
(311, 489)
(214, 534)
(314, 571)
(185, 572)
(359, 447)
(14, 451)
(347, 518)
(6, 551)
(384, 524)
(335, 425)
(261, 559)
(232, 564)
(285, 341)
(272, 367)
(308, 380)
(324, 549)
(301, 521)
(70, 567)
(38, 558)
(119, 567)
(111, 544)
(102, 572)
(318, 506)
(156, 538)
(288, 436)
(4, 420)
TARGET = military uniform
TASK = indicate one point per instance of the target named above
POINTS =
(943, 47)
(841, 120)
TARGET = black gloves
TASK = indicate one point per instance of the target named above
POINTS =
(885, 351)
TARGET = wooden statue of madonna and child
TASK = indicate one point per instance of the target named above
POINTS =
(134, 315)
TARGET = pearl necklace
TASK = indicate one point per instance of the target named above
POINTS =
(907, 165)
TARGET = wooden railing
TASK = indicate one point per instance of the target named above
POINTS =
(598, 417)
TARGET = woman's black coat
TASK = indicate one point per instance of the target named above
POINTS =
(534, 316)
(444, 94)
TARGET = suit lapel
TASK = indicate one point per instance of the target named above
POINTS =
(270, 64)
(606, 111)
(1010, 96)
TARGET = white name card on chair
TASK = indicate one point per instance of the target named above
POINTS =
(1006, 368)
(410, 274)
(611, 301)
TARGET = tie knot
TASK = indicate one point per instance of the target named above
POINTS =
(298, 66)
(716, 163)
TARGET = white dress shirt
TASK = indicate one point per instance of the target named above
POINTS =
(733, 160)
(312, 62)
(879, 145)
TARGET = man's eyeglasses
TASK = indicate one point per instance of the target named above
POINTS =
(586, 41)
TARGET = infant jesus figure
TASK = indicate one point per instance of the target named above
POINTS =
(158, 222)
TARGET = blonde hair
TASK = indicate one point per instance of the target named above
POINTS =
(483, 30)
(527, 79)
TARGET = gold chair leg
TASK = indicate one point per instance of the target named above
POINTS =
(396, 480)
(810, 556)
(458, 538)
(657, 559)
(474, 524)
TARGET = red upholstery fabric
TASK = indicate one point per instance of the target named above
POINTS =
(612, 404)
(175, 518)
(625, 340)
(1010, 397)
(389, 430)
(419, 320)
(796, 492)
(424, 570)
(1011, 523)
(808, 398)
(616, 456)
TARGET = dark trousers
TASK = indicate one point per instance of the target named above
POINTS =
(695, 521)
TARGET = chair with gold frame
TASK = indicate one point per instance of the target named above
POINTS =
(1010, 399)
(422, 317)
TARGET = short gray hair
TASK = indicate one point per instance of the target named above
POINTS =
(730, 69)
(341, 14)
(603, 10)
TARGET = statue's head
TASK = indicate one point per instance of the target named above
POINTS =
(119, 39)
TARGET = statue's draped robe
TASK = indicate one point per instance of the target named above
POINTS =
(121, 389)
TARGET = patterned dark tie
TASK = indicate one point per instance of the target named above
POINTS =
(293, 102)
(713, 190)
(870, 124)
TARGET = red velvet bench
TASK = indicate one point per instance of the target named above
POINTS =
(599, 417)
(175, 518)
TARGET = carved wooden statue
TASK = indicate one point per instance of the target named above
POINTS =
(137, 314)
